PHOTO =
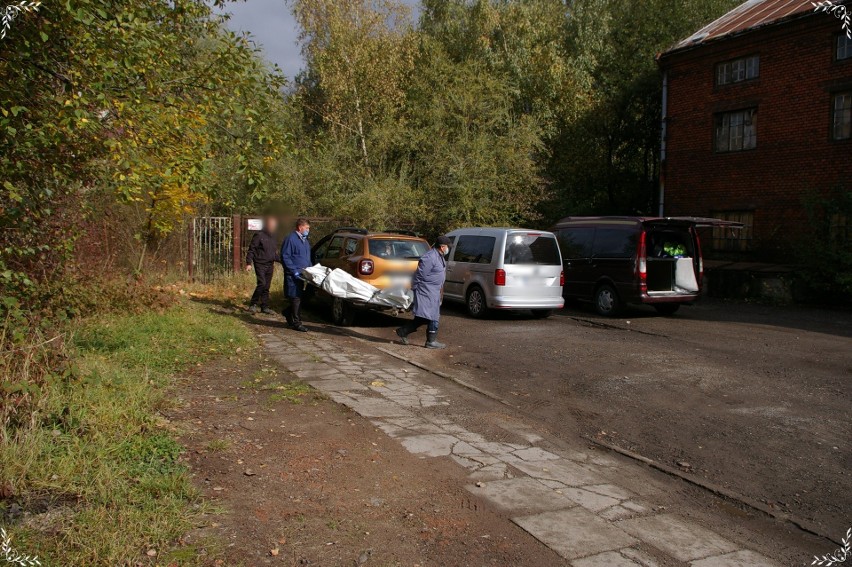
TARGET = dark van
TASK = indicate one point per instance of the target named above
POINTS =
(613, 261)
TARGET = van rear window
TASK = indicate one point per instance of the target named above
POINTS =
(532, 248)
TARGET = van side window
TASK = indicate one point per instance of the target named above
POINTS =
(576, 242)
(475, 249)
(615, 242)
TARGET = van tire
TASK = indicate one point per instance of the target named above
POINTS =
(477, 307)
(542, 313)
(667, 309)
(342, 313)
(607, 302)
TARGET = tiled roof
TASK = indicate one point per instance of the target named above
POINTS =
(747, 16)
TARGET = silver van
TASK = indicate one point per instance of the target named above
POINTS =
(505, 268)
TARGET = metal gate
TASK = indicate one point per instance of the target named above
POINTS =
(211, 248)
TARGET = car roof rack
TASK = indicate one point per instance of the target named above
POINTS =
(354, 229)
(402, 231)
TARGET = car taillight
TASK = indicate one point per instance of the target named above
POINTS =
(642, 262)
(562, 279)
(366, 267)
(500, 277)
(700, 261)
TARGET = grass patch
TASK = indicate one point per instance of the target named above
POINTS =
(219, 445)
(97, 450)
(293, 392)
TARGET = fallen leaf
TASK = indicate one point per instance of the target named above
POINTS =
(273, 552)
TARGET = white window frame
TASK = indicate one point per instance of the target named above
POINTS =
(843, 48)
(841, 116)
(738, 70)
(736, 131)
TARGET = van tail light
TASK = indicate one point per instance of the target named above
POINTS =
(642, 263)
(500, 277)
(366, 267)
(700, 261)
(562, 278)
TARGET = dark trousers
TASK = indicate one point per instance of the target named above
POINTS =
(411, 326)
(293, 312)
(293, 289)
(264, 280)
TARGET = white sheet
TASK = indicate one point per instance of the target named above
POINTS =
(685, 275)
(340, 283)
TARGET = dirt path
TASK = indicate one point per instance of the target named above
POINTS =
(300, 480)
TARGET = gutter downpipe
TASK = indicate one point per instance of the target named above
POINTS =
(663, 127)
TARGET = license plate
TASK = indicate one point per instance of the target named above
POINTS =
(403, 281)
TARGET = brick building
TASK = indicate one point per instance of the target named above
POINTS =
(757, 112)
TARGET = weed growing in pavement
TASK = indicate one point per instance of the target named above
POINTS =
(92, 464)
(292, 392)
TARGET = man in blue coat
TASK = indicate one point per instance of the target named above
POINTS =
(428, 286)
(295, 257)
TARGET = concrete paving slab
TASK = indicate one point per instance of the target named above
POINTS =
(736, 559)
(616, 513)
(606, 559)
(610, 490)
(574, 533)
(520, 495)
(378, 407)
(566, 472)
(640, 557)
(336, 385)
(491, 472)
(436, 445)
(535, 454)
(589, 500)
(679, 538)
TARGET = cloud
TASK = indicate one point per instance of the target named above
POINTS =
(274, 30)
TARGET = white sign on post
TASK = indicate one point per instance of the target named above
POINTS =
(255, 224)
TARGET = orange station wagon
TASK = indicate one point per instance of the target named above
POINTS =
(382, 259)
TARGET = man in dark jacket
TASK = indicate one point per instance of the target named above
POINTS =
(428, 286)
(295, 257)
(262, 255)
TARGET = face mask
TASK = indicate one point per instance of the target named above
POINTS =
(445, 250)
(306, 232)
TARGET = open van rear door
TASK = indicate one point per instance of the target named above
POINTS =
(698, 222)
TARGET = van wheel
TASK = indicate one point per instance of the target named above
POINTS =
(342, 313)
(542, 313)
(667, 308)
(476, 306)
(607, 302)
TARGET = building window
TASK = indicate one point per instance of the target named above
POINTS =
(736, 131)
(841, 123)
(738, 70)
(733, 239)
(844, 47)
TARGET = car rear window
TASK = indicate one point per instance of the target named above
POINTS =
(400, 249)
(532, 248)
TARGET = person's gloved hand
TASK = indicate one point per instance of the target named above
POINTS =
(297, 274)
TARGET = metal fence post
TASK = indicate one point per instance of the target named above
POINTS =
(237, 225)
(190, 249)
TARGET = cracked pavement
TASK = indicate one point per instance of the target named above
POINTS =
(590, 507)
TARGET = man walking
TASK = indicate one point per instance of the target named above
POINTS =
(262, 255)
(296, 256)
(428, 287)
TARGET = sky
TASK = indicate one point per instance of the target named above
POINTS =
(274, 30)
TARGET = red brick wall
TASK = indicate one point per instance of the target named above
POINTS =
(795, 154)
